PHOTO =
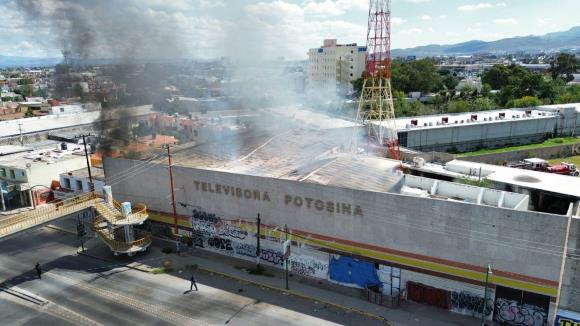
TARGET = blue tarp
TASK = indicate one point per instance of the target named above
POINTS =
(353, 271)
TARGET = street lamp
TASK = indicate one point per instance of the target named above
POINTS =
(488, 272)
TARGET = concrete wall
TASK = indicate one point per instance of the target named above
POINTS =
(570, 295)
(514, 241)
(546, 153)
(470, 136)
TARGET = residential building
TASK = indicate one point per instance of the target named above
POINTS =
(332, 67)
(27, 172)
(75, 182)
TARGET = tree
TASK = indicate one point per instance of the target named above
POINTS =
(482, 104)
(415, 76)
(450, 82)
(458, 106)
(496, 77)
(525, 102)
(357, 85)
(564, 66)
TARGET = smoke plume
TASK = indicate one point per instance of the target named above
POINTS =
(106, 28)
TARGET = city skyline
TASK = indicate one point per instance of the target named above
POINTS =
(209, 29)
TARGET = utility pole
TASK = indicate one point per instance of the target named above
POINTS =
(175, 225)
(20, 139)
(258, 243)
(88, 162)
(487, 273)
(286, 254)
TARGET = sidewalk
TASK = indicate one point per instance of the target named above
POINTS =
(319, 291)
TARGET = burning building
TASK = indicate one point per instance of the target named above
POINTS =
(422, 238)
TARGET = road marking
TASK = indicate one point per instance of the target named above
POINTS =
(54, 310)
(154, 310)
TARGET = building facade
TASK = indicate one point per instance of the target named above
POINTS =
(429, 245)
(332, 67)
(488, 129)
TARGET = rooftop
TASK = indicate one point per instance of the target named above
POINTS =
(42, 153)
(97, 173)
(549, 182)
(469, 118)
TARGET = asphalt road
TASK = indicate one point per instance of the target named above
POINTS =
(84, 291)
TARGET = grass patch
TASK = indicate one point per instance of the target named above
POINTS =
(548, 143)
(481, 183)
(160, 270)
(571, 159)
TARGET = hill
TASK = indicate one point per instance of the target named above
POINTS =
(551, 42)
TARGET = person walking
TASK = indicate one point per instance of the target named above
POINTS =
(38, 270)
(193, 284)
(178, 247)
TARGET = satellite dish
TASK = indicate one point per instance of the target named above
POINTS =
(28, 165)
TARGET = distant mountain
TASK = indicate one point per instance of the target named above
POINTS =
(569, 39)
(7, 61)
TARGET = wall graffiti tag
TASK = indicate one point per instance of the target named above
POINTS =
(272, 256)
(467, 303)
(211, 225)
(308, 266)
(220, 243)
(510, 312)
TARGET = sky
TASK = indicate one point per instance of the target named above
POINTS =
(288, 28)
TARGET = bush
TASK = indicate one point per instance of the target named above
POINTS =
(159, 270)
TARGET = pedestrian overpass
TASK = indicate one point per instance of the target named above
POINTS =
(114, 226)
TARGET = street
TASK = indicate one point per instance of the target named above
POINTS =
(81, 290)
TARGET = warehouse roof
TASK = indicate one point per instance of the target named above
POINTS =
(468, 118)
(549, 182)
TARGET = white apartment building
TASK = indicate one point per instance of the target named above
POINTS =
(332, 67)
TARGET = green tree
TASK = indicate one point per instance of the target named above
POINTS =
(482, 104)
(450, 82)
(571, 94)
(415, 76)
(496, 77)
(25, 81)
(564, 66)
(458, 106)
(525, 102)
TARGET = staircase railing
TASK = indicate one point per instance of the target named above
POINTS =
(46, 213)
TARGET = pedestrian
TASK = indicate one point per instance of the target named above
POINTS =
(177, 247)
(193, 284)
(38, 270)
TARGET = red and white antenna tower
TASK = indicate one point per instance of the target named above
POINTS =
(375, 109)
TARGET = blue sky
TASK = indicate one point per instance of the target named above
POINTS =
(212, 28)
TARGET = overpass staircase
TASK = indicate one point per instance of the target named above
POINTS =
(111, 222)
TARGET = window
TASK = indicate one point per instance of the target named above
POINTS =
(12, 174)
(66, 183)
(195, 133)
(61, 109)
(3, 172)
(79, 185)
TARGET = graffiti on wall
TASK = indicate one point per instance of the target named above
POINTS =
(220, 243)
(272, 256)
(209, 225)
(308, 266)
(468, 303)
(510, 312)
